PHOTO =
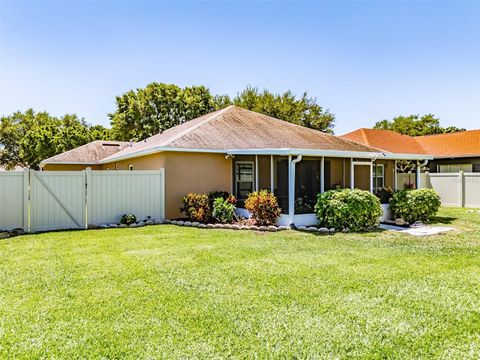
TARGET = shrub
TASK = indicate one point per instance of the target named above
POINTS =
(196, 207)
(223, 210)
(225, 195)
(415, 205)
(384, 194)
(128, 219)
(356, 210)
(263, 206)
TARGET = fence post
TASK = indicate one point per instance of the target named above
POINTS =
(26, 200)
(162, 193)
(461, 189)
(88, 194)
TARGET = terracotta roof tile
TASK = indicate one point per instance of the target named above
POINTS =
(466, 143)
(386, 140)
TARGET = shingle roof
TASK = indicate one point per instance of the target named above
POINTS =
(89, 153)
(237, 128)
(465, 143)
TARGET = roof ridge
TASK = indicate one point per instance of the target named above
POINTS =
(367, 144)
(446, 134)
(196, 126)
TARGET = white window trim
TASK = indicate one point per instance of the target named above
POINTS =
(130, 167)
(253, 173)
(375, 176)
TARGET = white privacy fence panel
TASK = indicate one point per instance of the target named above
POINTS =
(57, 200)
(457, 189)
(448, 186)
(471, 189)
(114, 193)
(13, 205)
(54, 200)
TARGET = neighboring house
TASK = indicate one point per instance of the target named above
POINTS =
(16, 168)
(451, 152)
(240, 151)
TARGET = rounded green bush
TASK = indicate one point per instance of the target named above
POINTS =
(415, 205)
(223, 210)
(356, 210)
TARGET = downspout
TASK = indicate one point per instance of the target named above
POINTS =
(419, 167)
(291, 190)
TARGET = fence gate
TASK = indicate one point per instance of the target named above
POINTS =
(13, 200)
(57, 200)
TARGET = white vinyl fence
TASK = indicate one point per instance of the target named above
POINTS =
(457, 189)
(13, 199)
(40, 201)
(114, 193)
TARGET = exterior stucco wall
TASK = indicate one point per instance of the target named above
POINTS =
(69, 167)
(148, 162)
(184, 172)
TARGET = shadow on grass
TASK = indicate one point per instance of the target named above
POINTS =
(443, 219)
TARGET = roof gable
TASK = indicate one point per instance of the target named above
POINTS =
(89, 153)
(238, 128)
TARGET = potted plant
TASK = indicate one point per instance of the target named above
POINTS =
(384, 195)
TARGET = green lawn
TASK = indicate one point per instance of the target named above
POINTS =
(172, 292)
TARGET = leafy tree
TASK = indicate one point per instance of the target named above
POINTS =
(158, 107)
(414, 125)
(145, 112)
(28, 138)
(303, 111)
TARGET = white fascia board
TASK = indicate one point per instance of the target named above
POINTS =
(272, 151)
(407, 156)
(308, 152)
(157, 150)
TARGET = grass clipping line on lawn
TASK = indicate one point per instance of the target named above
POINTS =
(176, 292)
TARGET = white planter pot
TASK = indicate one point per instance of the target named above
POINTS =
(387, 213)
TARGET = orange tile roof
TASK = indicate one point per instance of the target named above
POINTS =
(460, 144)
(465, 143)
(386, 140)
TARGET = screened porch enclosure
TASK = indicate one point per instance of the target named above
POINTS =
(272, 172)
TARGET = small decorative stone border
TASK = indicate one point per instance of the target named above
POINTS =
(5, 234)
(272, 228)
(122, 226)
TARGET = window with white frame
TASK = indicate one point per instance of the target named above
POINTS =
(244, 178)
(378, 177)
(130, 167)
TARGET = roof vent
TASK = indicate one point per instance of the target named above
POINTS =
(107, 144)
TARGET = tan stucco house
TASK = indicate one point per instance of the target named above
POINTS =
(240, 151)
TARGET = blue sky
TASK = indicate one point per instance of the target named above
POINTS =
(365, 61)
